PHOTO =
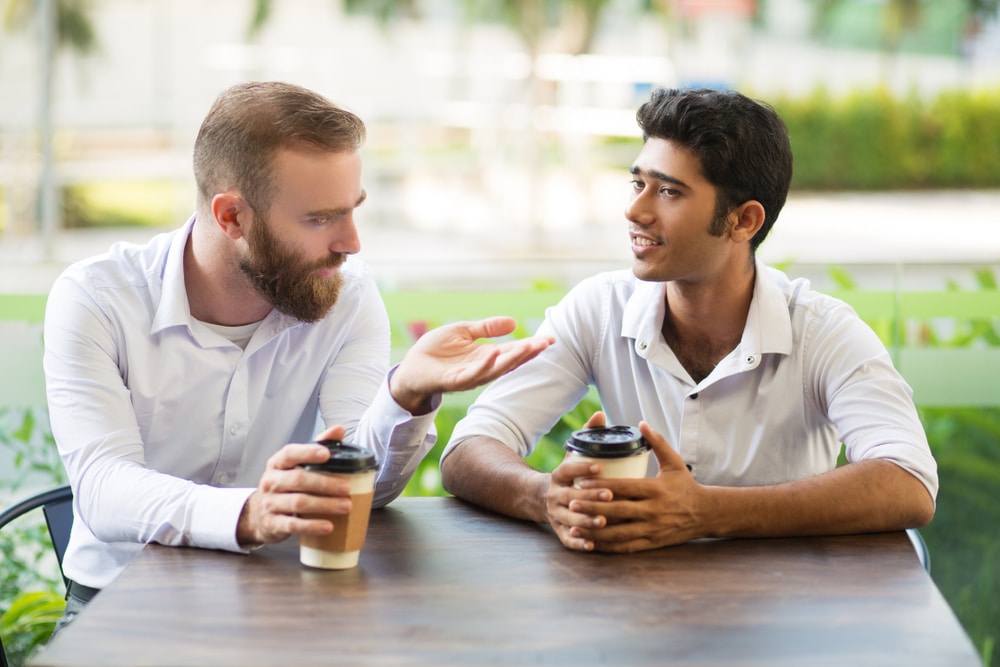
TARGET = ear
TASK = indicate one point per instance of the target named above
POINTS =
(747, 220)
(231, 213)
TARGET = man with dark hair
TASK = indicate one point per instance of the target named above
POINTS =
(744, 382)
(188, 378)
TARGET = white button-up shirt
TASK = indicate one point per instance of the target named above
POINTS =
(165, 426)
(807, 375)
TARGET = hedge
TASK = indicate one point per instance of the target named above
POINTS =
(875, 141)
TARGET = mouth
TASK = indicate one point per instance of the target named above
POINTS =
(330, 267)
(642, 243)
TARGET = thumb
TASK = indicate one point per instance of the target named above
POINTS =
(665, 454)
(596, 420)
(332, 433)
(491, 327)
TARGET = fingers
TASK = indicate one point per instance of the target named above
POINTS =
(514, 353)
(488, 362)
(596, 420)
(290, 456)
(563, 504)
(270, 517)
(333, 433)
(291, 500)
(567, 472)
(491, 327)
(494, 327)
(665, 454)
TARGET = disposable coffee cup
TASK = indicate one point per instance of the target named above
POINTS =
(341, 549)
(621, 450)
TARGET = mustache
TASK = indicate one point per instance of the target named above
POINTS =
(279, 280)
(332, 261)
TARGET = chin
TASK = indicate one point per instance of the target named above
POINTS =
(645, 272)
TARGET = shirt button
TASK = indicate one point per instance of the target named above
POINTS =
(224, 478)
(751, 359)
(694, 396)
(234, 429)
(642, 345)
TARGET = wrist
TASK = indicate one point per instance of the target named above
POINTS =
(246, 533)
(415, 402)
(718, 512)
(539, 485)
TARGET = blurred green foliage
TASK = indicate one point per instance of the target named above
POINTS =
(874, 141)
(871, 140)
(120, 204)
(964, 538)
(31, 588)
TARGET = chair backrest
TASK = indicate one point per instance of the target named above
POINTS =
(57, 506)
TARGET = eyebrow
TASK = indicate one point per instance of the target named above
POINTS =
(336, 212)
(658, 175)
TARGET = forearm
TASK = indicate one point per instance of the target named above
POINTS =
(125, 502)
(485, 472)
(866, 496)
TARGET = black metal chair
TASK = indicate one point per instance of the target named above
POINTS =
(57, 506)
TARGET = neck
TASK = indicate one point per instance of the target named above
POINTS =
(704, 322)
(217, 291)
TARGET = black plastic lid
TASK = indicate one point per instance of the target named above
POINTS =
(607, 442)
(345, 458)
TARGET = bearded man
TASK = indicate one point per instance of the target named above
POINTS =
(189, 377)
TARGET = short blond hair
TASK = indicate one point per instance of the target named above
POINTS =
(250, 122)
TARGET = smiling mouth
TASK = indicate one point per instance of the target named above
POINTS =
(643, 241)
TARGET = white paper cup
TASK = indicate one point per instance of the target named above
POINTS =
(621, 451)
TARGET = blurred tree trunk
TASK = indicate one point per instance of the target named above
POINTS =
(62, 24)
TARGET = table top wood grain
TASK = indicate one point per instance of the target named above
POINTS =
(441, 582)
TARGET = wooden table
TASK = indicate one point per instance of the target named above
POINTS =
(443, 583)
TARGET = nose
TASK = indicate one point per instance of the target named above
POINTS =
(638, 210)
(346, 240)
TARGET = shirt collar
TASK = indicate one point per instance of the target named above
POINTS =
(769, 324)
(768, 327)
(174, 309)
(643, 314)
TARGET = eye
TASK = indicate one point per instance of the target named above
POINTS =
(322, 220)
(637, 184)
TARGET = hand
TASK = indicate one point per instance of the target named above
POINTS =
(641, 514)
(448, 358)
(562, 500)
(285, 491)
